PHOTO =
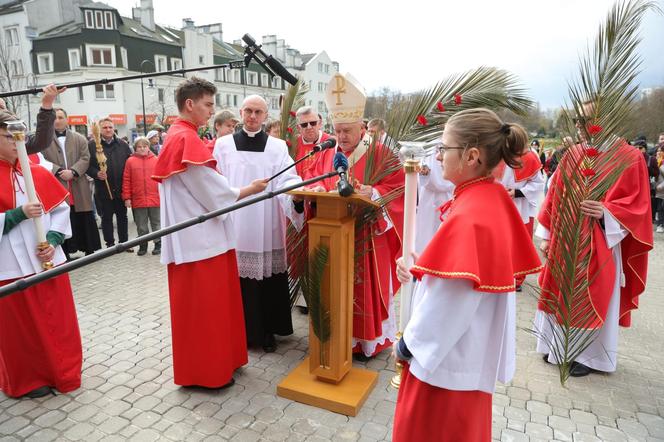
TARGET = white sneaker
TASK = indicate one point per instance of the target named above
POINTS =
(660, 229)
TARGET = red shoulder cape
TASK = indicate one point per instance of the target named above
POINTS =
(628, 200)
(530, 165)
(182, 148)
(482, 240)
(304, 168)
(49, 190)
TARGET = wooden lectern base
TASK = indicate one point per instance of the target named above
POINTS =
(346, 397)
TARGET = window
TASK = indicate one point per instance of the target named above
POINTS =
(104, 91)
(160, 63)
(218, 75)
(123, 55)
(235, 100)
(252, 78)
(80, 93)
(217, 99)
(274, 103)
(101, 55)
(176, 64)
(320, 67)
(321, 106)
(321, 86)
(160, 95)
(99, 20)
(228, 99)
(327, 68)
(17, 68)
(11, 37)
(265, 80)
(45, 62)
(108, 19)
(89, 19)
(74, 58)
(201, 59)
(276, 82)
(237, 76)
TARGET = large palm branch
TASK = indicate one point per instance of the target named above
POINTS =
(292, 101)
(607, 75)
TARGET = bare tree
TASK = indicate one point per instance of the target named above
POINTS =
(12, 75)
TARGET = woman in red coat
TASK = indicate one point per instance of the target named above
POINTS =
(140, 192)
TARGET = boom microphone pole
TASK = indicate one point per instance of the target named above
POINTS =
(330, 143)
(238, 64)
(24, 283)
(269, 63)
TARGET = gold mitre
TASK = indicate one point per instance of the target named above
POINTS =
(345, 99)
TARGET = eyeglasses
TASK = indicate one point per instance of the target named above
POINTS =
(9, 137)
(308, 123)
(442, 148)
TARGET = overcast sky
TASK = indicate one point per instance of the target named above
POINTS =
(409, 45)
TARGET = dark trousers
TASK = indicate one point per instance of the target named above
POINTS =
(141, 216)
(659, 203)
(109, 208)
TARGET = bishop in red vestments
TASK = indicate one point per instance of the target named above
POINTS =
(209, 341)
(40, 343)
(374, 319)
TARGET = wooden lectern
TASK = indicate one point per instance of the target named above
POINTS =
(326, 378)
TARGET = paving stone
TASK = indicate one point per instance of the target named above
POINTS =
(610, 434)
(655, 424)
(13, 425)
(113, 425)
(79, 431)
(513, 436)
(583, 417)
(538, 431)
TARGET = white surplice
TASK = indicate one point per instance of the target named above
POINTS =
(18, 247)
(602, 353)
(461, 339)
(532, 189)
(185, 195)
(434, 191)
(260, 229)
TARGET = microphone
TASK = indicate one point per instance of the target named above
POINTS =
(341, 166)
(274, 67)
(327, 144)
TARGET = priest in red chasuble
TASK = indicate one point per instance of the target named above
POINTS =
(311, 134)
(622, 236)
(374, 319)
(461, 337)
(207, 323)
(40, 343)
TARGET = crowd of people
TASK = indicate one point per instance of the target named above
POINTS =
(479, 195)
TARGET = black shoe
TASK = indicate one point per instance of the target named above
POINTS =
(156, 250)
(39, 392)
(229, 384)
(142, 251)
(579, 370)
(519, 288)
(303, 309)
(269, 343)
(546, 357)
(361, 357)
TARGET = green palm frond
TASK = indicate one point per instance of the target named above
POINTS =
(482, 87)
(607, 75)
(292, 101)
(319, 312)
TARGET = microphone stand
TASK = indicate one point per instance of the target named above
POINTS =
(299, 160)
(24, 283)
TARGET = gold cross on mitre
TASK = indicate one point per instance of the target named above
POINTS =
(340, 83)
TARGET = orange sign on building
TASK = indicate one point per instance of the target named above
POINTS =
(149, 118)
(77, 120)
(170, 119)
(118, 118)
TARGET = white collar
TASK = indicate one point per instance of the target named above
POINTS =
(251, 134)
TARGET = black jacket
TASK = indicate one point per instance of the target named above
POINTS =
(43, 133)
(117, 152)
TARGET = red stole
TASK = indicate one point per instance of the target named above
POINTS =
(182, 148)
(530, 166)
(303, 168)
(49, 190)
(482, 240)
(628, 200)
(377, 264)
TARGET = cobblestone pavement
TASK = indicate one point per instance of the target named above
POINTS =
(128, 390)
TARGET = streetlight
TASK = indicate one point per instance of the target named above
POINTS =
(145, 125)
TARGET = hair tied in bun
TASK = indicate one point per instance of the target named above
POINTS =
(505, 128)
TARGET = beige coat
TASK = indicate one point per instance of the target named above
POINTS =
(78, 159)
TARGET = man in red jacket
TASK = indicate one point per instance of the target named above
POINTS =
(140, 192)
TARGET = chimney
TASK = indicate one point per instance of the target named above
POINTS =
(187, 23)
(144, 13)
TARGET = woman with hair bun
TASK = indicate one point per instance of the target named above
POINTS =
(461, 336)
